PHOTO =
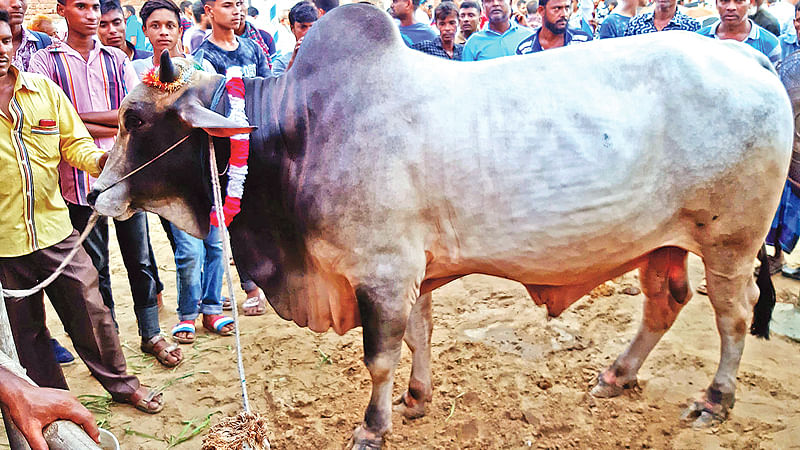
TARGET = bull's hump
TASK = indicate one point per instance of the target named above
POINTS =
(353, 29)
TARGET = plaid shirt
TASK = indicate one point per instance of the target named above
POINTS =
(252, 33)
(434, 47)
(644, 24)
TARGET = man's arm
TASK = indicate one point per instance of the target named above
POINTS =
(106, 118)
(77, 146)
(100, 131)
(33, 408)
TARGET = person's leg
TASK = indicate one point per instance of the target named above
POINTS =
(78, 303)
(188, 265)
(134, 245)
(28, 324)
(213, 271)
(96, 245)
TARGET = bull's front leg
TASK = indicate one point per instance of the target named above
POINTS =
(411, 403)
(384, 309)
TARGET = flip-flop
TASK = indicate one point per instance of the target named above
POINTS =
(143, 404)
(227, 305)
(161, 349)
(186, 326)
(255, 306)
(218, 323)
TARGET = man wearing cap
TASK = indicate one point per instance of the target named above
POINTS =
(499, 38)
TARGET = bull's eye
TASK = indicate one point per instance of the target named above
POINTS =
(132, 122)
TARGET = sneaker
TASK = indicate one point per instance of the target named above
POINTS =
(63, 356)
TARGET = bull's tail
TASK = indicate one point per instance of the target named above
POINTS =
(762, 311)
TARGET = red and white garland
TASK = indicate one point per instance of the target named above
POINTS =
(240, 149)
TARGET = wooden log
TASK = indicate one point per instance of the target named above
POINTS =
(61, 434)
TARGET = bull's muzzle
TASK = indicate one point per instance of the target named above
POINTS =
(91, 197)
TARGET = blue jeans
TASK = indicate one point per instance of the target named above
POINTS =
(137, 255)
(199, 265)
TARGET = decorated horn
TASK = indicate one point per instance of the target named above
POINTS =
(166, 71)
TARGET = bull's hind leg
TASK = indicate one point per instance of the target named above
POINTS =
(418, 338)
(384, 309)
(666, 288)
(733, 293)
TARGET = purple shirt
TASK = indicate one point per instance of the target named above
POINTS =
(96, 85)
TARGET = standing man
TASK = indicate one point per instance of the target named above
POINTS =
(133, 28)
(499, 38)
(112, 30)
(224, 49)
(96, 78)
(301, 17)
(617, 22)
(664, 17)
(534, 19)
(469, 20)
(409, 27)
(765, 19)
(36, 234)
(201, 28)
(554, 31)
(262, 38)
(324, 6)
(186, 17)
(26, 42)
(444, 45)
(734, 24)
(789, 44)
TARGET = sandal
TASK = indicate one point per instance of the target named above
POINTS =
(226, 304)
(186, 326)
(255, 306)
(145, 402)
(216, 323)
(162, 350)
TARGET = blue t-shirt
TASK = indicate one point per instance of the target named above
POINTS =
(248, 56)
(789, 45)
(134, 28)
(614, 26)
(759, 38)
(488, 44)
(418, 32)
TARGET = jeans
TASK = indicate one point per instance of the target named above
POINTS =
(199, 265)
(137, 255)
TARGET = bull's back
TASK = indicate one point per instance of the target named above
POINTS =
(608, 149)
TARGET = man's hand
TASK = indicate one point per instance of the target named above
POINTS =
(522, 19)
(294, 53)
(101, 161)
(33, 408)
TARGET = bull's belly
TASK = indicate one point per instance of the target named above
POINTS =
(564, 262)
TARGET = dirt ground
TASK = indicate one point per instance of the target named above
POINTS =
(504, 375)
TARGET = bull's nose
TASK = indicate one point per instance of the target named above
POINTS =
(92, 196)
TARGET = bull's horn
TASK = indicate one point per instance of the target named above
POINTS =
(166, 70)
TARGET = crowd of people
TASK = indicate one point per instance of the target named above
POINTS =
(59, 100)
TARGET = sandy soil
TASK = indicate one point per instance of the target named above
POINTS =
(504, 375)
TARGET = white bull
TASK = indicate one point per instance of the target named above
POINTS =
(378, 174)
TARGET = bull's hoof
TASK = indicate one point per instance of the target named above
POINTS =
(711, 410)
(604, 389)
(364, 440)
(409, 407)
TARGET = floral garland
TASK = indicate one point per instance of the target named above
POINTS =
(240, 149)
(151, 79)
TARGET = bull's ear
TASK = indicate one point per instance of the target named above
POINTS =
(198, 116)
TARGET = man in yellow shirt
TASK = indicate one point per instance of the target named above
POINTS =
(39, 127)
